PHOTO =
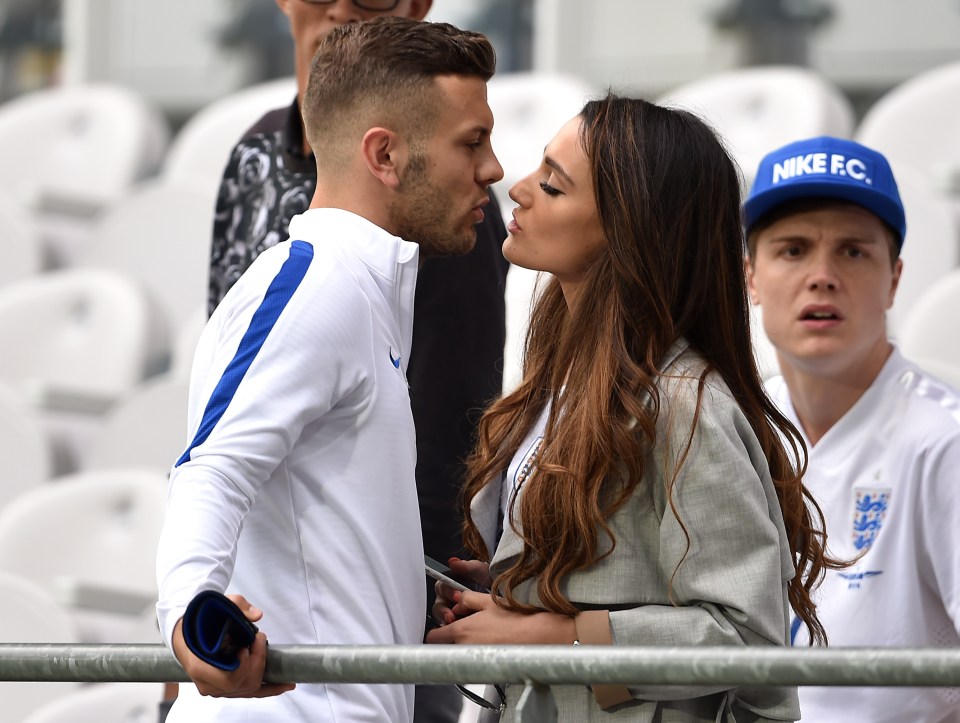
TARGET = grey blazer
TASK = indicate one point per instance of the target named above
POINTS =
(731, 586)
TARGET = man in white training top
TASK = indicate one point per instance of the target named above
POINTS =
(297, 488)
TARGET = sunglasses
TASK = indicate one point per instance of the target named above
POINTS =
(469, 694)
(377, 6)
(483, 702)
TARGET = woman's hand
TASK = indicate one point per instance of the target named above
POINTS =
(480, 621)
(244, 682)
(443, 609)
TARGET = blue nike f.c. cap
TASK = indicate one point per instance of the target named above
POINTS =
(827, 167)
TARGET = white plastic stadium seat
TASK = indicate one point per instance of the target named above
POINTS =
(29, 615)
(199, 152)
(948, 372)
(104, 703)
(931, 331)
(90, 542)
(931, 249)
(185, 342)
(159, 235)
(75, 338)
(147, 427)
(917, 123)
(756, 110)
(763, 350)
(22, 251)
(25, 449)
(77, 148)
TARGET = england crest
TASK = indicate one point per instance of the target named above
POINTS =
(869, 512)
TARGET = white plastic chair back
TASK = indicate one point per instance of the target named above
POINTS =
(20, 241)
(25, 448)
(185, 343)
(104, 703)
(756, 110)
(945, 371)
(89, 540)
(199, 152)
(147, 427)
(917, 123)
(29, 615)
(931, 330)
(77, 148)
(158, 234)
(763, 350)
(75, 338)
(931, 248)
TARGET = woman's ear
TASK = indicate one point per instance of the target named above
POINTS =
(383, 153)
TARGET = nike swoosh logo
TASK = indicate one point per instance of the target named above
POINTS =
(396, 362)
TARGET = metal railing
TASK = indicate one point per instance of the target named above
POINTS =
(535, 667)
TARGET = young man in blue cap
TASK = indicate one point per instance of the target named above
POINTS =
(825, 226)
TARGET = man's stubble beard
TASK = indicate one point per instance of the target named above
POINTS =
(423, 213)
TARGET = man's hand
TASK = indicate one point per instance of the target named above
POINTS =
(244, 682)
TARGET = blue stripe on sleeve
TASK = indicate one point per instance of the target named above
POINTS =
(794, 629)
(280, 291)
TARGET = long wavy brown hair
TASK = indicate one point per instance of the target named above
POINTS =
(668, 197)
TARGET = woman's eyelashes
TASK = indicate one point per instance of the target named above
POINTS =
(549, 190)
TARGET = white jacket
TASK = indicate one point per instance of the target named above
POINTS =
(297, 487)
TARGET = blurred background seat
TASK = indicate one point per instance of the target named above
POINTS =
(89, 541)
(763, 349)
(74, 334)
(185, 342)
(73, 341)
(158, 235)
(200, 150)
(28, 614)
(932, 245)
(70, 151)
(23, 251)
(931, 330)
(916, 124)
(147, 427)
(103, 703)
(758, 109)
(25, 448)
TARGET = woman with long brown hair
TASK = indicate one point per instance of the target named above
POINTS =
(635, 488)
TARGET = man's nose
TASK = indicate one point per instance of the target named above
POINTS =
(822, 276)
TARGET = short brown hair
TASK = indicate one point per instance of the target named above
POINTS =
(381, 72)
(805, 205)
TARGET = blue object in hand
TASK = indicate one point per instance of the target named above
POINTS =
(216, 630)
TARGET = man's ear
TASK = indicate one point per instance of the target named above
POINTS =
(748, 272)
(895, 282)
(384, 155)
(419, 9)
